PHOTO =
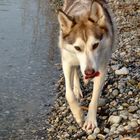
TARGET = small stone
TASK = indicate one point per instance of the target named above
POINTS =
(120, 128)
(115, 125)
(116, 139)
(115, 67)
(127, 127)
(66, 135)
(132, 109)
(122, 71)
(102, 102)
(133, 124)
(124, 116)
(115, 119)
(136, 116)
(33, 131)
(139, 122)
(130, 93)
(115, 92)
(123, 53)
(125, 105)
(89, 132)
(112, 129)
(91, 137)
(96, 130)
(106, 130)
(120, 108)
(57, 120)
(101, 137)
(62, 108)
(72, 129)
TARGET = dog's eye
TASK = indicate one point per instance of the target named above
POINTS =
(77, 48)
(95, 46)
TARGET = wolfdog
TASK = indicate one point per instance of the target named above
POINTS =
(86, 40)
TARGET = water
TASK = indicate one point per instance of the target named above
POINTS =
(28, 54)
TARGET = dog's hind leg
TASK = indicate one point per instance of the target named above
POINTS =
(91, 121)
(74, 106)
(76, 87)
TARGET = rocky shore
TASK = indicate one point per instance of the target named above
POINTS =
(119, 110)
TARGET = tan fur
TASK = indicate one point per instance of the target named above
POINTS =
(83, 30)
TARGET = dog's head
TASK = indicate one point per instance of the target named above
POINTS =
(84, 35)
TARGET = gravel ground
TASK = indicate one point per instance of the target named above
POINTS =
(119, 111)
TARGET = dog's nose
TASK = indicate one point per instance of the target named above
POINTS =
(89, 71)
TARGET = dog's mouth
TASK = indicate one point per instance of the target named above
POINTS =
(93, 75)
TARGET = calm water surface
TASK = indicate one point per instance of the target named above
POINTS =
(28, 54)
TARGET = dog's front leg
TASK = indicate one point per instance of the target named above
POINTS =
(74, 106)
(76, 86)
(91, 121)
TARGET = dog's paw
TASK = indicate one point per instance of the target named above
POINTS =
(78, 93)
(90, 124)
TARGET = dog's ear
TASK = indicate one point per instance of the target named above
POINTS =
(97, 14)
(65, 22)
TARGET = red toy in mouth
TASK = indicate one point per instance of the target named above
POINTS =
(89, 76)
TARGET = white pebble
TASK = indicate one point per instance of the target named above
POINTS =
(122, 71)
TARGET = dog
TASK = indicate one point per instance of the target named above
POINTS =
(86, 40)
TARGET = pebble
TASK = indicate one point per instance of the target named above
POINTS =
(133, 124)
(127, 127)
(91, 137)
(132, 109)
(72, 128)
(113, 129)
(120, 108)
(115, 119)
(115, 92)
(89, 132)
(96, 130)
(101, 137)
(102, 102)
(106, 130)
(139, 121)
(125, 105)
(66, 134)
(122, 71)
(120, 128)
(115, 67)
(124, 117)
